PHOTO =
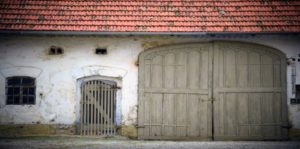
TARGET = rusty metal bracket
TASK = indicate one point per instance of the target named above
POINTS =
(116, 87)
(286, 126)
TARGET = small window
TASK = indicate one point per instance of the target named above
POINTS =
(56, 50)
(20, 90)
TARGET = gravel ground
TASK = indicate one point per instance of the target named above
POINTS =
(54, 142)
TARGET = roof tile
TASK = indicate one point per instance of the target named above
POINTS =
(151, 15)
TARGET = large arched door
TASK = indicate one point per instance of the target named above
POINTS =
(221, 90)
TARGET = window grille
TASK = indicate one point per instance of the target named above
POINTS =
(20, 90)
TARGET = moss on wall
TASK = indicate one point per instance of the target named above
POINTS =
(129, 131)
(294, 134)
(36, 129)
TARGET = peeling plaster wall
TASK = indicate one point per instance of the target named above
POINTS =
(56, 76)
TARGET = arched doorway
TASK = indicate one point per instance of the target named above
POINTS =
(98, 107)
(218, 90)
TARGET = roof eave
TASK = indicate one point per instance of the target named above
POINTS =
(134, 33)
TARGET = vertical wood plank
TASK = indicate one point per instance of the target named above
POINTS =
(231, 112)
(156, 114)
(98, 106)
(101, 108)
(157, 72)
(111, 109)
(141, 115)
(204, 71)
(193, 118)
(242, 112)
(92, 108)
(105, 108)
(255, 113)
(209, 105)
(242, 69)
(193, 67)
(181, 115)
(168, 115)
(267, 71)
(88, 107)
(216, 83)
(115, 108)
(169, 71)
(202, 115)
(147, 114)
(85, 109)
(254, 70)
(148, 75)
(230, 69)
(268, 114)
(81, 110)
(108, 109)
(180, 71)
(277, 119)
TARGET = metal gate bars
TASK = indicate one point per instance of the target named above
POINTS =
(98, 108)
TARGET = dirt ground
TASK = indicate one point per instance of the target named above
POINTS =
(74, 142)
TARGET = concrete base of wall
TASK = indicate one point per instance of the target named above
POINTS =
(36, 129)
(129, 131)
(10, 130)
(294, 134)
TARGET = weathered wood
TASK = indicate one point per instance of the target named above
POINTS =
(104, 111)
(247, 104)
(88, 107)
(170, 98)
(248, 89)
(176, 91)
(102, 106)
(98, 108)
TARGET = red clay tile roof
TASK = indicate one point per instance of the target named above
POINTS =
(151, 15)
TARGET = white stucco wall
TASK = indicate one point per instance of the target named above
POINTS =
(56, 76)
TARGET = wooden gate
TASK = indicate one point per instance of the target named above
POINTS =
(219, 90)
(174, 90)
(98, 108)
(250, 92)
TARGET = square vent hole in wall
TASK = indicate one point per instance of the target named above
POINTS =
(101, 51)
(296, 100)
(55, 50)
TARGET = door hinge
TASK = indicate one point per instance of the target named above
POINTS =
(286, 126)
(116, 87)
(209, 99)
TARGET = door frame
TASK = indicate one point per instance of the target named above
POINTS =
(81, 81)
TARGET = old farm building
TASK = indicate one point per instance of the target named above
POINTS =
(163, 69)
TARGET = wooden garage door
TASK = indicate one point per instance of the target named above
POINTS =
(174, 85)
(249, 91)
(247, 83)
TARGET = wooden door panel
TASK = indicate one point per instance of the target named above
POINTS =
(173, 88)
(249, 101)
